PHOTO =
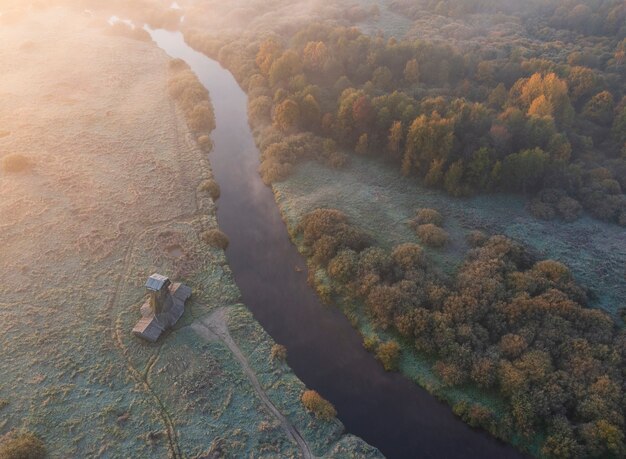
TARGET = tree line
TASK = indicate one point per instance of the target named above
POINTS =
(551, 130)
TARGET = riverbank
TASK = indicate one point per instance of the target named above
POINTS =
(388, 410)
(111, 192)
(376, 200)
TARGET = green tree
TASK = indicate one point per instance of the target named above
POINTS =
(429, 139)
(600, 108)
(619, 123)
(453, 180)
(382, 78)
(478, 169)
(497, 97)
(561, 442)
(581, 82)
(524, 170)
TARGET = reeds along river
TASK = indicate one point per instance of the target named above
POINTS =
(385, 409)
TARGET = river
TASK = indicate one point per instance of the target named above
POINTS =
(326, 353)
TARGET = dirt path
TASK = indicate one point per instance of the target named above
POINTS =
(215, 326)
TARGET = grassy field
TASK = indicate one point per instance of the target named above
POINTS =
(378, 200)
(109, 194)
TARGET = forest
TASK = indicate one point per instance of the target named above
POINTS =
(478, 97)
(507, 117)
(506, 323)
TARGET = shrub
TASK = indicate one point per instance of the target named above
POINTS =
(279, 352)
(512, 345)
(15, 163)
(192, 97)
(260, 110)
(426, 216)
(211, 187)
(568, 208)
(343, 267)
(375, 260)
(450, 373)
(409, 256)
(552, 202)
(215, 238)
(541, 210)
(389, 355)
(384, 302)
(336, 159)
(476, 238)
(273, 171)
(204, 141)
(432, 235)
(474, 414)
(553, 270)
(319, 406)
(324, 249)
(21, 445)
(200, 118)
(325, 292)
(371, 343)
(321, 222)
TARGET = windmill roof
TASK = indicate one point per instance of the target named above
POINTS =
(156, 282)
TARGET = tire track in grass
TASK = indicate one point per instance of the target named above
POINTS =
(215, 325)
(142, 378)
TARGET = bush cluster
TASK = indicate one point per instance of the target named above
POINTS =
(389, 355)
(212, 187)
(193, 98)
(326, 232)
(427, 216)
(506, 323)
(215, 238)
(319, 406)
(21, 445)
(279, 352)
(432, 235)
(550, 203)
(15, 162)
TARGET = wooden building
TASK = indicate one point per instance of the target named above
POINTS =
(164, 306)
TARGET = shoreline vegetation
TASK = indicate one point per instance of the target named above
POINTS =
(498, 342)
(508, 340)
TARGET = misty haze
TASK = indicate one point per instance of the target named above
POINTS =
(312, 229)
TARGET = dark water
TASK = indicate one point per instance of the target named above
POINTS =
(385, 409)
